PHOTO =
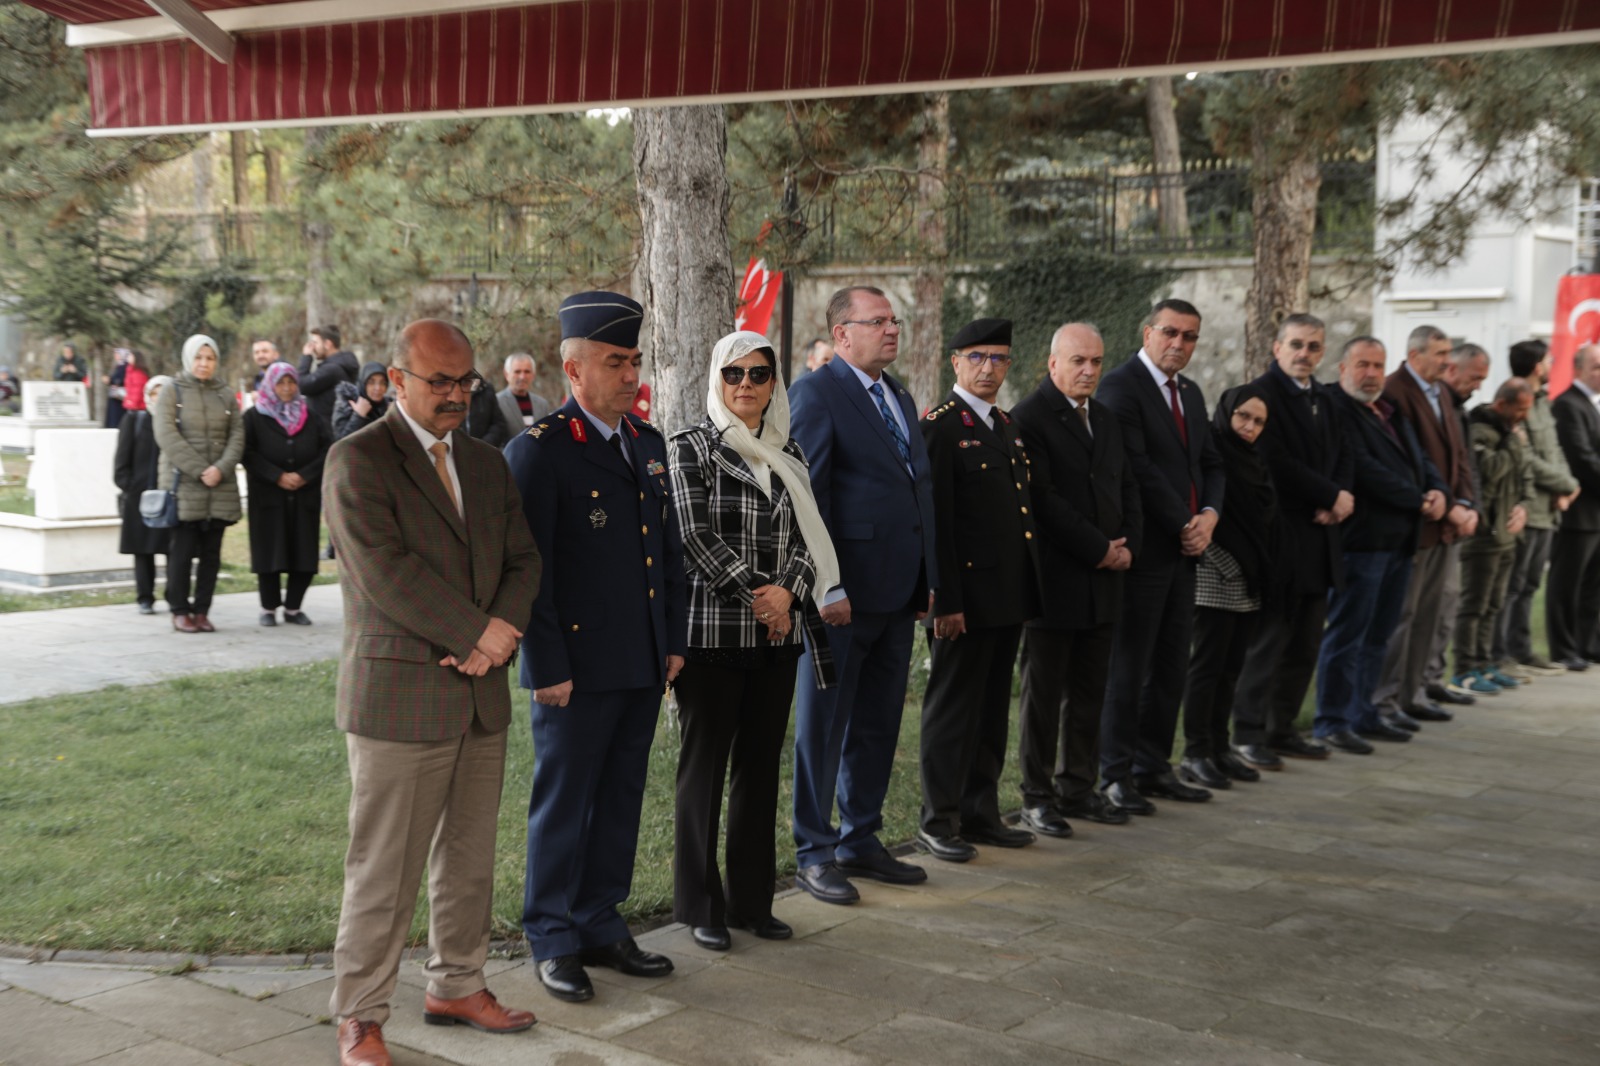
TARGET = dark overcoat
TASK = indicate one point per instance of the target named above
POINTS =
(285, 526)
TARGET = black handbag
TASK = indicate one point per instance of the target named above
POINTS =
(159, 507)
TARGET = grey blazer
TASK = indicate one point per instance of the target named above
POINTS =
(513, 413)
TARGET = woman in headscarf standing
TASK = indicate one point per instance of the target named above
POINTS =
(757, 553)
(1234, 577)
(134, 471)
(284, 449)
(201, 437)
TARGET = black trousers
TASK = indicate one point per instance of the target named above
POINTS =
(1149, 665)
(1063, 693)
(194, 542)
(1278, 668)
(1220, 641)
(1572, 598)
(730, 718)
(966, 716)
(274, 596)
(144, 577)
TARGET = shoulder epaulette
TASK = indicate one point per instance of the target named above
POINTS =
(640, 423)
(937, 411)
(537, 431)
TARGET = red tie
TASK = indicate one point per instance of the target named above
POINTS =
(1183, 435)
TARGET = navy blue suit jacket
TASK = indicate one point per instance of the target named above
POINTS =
(1391, 476)
(611, 606)
(879, 514)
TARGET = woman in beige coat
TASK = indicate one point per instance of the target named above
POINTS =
(201, 438)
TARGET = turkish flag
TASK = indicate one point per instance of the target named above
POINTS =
(1577, 323)
(758, 294)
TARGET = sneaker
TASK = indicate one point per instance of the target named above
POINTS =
(1460, 691)
(1499, 677)
(1474, 681)
(1538, 664)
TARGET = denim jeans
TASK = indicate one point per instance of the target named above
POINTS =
(1361, 619)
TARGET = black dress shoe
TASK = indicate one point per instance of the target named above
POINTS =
(1046, 820)
(881, 866)
(1236, 768)
(1440, 694)
(826, 883)
(1124, 796)
(768, 928)
(1429, 712)
(628, 958)
(563, 978)
(1166, 784)
(147, 608)
(1382, 730)
(1092, 807)
(1349, 743)
(1575, 664)
(1203, 772)
(1402, 720)
(1260, 756)
(1298, 747)
(998, 835)
(950, 849)
(712, 937)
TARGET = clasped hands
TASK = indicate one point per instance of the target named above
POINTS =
(1117, 556)
(288, 481)
(494, 648)
(1343, 506)
(1195, 537)
(771, 605)
(1433, 505)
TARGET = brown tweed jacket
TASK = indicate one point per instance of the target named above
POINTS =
(419, 584)
(1441, 439)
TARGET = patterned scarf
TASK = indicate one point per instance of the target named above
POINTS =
(292, 415)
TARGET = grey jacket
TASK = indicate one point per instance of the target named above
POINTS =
(513, 413)
(197, 425)
(1551, 475)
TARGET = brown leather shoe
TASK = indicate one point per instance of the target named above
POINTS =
(184, 623)
(203, 624)
(479, 1010)
(361, 1044)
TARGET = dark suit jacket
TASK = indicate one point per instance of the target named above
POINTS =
(1309, 469)
(1391, 476)
(879, 514)
(1162, 466)
(1086, 497)
(1441, 440)
(984, 518)
(1578, 430)
(613, 606)
(420, 584)
(318, 382)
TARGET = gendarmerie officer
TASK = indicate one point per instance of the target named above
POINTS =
(607, 635)
(988, 586)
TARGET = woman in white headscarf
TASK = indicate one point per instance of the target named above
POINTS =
(201, 438)
(758, 558)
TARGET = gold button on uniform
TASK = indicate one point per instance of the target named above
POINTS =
(1024, 510)
(645, 530)
(641, 495)
(652, 594)
(649, 561)
(1028, 535)
(574, 629)
(594, 492)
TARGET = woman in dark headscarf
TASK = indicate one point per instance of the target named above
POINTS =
(1233, 579)
(285, 445)
(134, 471)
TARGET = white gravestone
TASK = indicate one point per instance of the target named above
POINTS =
(55, 401)
(71, 473)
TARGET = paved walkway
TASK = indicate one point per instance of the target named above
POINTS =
(1432, 904)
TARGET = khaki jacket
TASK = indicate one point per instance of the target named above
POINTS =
(197, 425)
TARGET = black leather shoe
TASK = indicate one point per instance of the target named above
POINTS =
(1429, 712)
(712, 937)
(268, 618)
(1298, 747)
(1402, 720)
(563, 978)
(1046, 820)
(1349, 743)
(1384, 731)
(1092, 807)
(147, 608)
(1260, 756)
(1236, 768)
(1124, 796)
(768, 928)
(1203, 772)
(826, 883)
(628, 958)
(950, 849)
(881, 866)
(998, 835)
(296, 618)
(1167, 785)
(1575, 664)
(1440, 694)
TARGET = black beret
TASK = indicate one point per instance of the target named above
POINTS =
(607, 317)
(982, 331)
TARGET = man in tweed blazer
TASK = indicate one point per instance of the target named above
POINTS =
(439, 576)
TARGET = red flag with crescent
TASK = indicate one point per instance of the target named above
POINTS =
(1577, 323)
(758, 295)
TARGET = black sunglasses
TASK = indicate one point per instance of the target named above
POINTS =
(759, 375)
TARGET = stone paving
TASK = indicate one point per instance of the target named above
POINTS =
(1434, 903)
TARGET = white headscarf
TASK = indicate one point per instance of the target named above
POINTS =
(193, 345)
(765, 453)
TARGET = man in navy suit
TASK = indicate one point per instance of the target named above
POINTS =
(1180, 476)
(869, 469)
(608, 634)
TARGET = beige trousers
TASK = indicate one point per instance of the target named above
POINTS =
(414, 805)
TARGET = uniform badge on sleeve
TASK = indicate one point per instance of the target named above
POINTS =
(654, 467)
(597, 518)
(966, 418)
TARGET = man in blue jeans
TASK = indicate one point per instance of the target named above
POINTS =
(1396, 487)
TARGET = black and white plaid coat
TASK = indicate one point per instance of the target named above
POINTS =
(735, 539)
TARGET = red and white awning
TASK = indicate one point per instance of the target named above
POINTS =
(305, 62)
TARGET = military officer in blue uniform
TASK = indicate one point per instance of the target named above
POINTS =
(607, 636)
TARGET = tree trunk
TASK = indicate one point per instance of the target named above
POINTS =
(921, 359)
(318, 233)
(1286, 178)
(272, 164)
(1172, 208)
(685, 275)
(205, 228)
(239, 148)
